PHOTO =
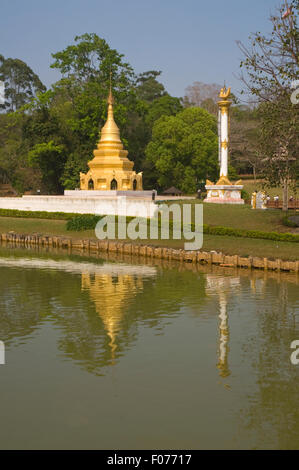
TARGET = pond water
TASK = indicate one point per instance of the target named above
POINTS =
(116, 354)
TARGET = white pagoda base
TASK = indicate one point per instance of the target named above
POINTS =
(83, 204)
(109, 193)
(224, 192)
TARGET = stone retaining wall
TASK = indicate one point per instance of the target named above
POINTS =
(150, 251)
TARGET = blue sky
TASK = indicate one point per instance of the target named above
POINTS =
(189, 40)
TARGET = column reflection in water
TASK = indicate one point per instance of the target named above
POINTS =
(223, 337)
(222, 287)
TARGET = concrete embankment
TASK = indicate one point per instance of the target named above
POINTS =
(150, 251)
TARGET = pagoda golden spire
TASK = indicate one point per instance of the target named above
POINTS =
(110, 131)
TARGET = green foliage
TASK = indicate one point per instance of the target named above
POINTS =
(82, 222)
(245, 195)
(148, 88)
(21, 83)
(138, 131)
(49, 158)
(184, 149)
(10, 139)
(164, 106)
(232, 232)
(35, 214)
(232, 173)
(91, 59)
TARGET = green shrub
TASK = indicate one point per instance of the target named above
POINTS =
(83, 222)
(245, 195)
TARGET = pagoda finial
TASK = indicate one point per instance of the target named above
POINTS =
(110, 131)
(224, 92)
(110, 99)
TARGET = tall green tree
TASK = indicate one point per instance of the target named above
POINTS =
(164, 106)
(48, 157)
(20, 82)
(148, 88)
(139, 132)
(46, 143)
(14, 168)
(184, 149)
(244, 138)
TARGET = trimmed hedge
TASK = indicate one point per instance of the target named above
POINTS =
(35, 214)
(232, 232)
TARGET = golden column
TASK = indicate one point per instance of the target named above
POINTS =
(224, 107)
(224, 192)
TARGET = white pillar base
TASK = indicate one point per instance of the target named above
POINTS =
(224, 194)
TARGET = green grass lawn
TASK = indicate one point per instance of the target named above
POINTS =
(227, 245)
(242, 216)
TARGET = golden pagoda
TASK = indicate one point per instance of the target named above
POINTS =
(110, 168)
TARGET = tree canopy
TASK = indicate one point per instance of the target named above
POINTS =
(184, 149)
(20, 82)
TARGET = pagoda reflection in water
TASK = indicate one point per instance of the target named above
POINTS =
(111, 295)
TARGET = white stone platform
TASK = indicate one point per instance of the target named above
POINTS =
(80, 204)
(111, 193)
